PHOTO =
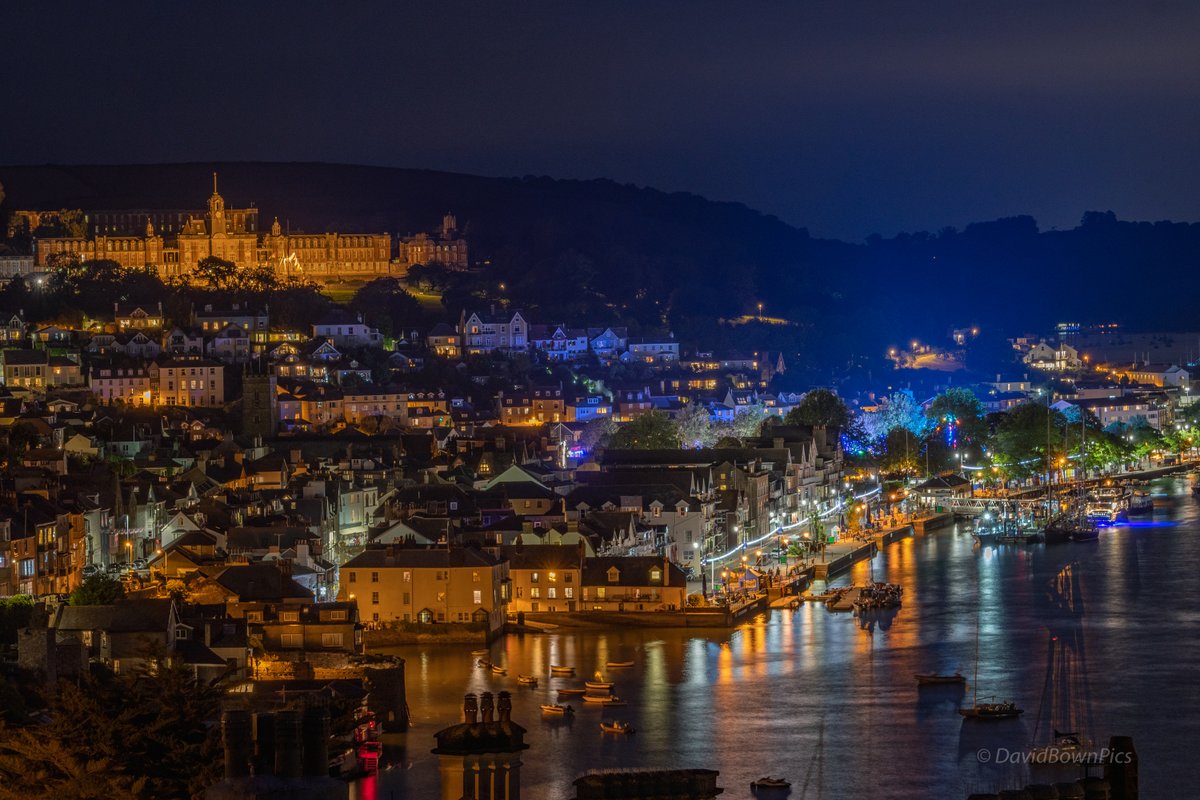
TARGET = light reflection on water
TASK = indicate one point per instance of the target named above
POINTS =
(829, 700)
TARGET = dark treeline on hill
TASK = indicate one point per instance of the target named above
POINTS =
(589, 250)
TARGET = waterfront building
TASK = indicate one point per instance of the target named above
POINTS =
(644, 583)
(428, 586)
(188, 381)
(545, 577)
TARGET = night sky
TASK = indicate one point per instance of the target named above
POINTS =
(846, 118)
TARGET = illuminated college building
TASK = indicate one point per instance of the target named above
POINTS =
(173, 242)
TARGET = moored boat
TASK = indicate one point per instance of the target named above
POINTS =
(527, 680)
(557, 709)
(619, 664)
(992, 711)
(769, 783)
(571, 692)
(561, 671)
(616, 727)
(498, 670)
(482, 652)
(935, 679)
(603, 699)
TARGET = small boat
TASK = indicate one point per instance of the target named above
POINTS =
(1067, 748)
(482, 652)
(1085, 533)
(603, 699)
(598, 686)
(483, 662)
(527, 680)
(769, 783)
(992, 711)
(557, 709)
(936, 679)
(616, 727)
(561, 671)
(498, 670)
(619, 664)
(571, 692)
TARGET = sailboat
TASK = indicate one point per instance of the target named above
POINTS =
(986, 711)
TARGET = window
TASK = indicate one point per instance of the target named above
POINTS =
(340, 615)
(475, 577)
(374, 577)
(553, 577)
(292, 640)
(569, 593)
(331, 640)
(407, 576)
(290, 616)
(407, 599)
(552, 593)
(535, 593)
(655, 575)
(477, 596)
(374, 598)
(600, 592)
(533, 578)
(375, 617)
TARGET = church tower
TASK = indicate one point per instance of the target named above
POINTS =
(260, 404)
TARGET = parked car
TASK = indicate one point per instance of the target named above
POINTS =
(91, 570)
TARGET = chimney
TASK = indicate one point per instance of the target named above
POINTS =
(471, 708)
(486, 707)
(505, 708)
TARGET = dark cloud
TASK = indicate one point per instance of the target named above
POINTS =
(847, 118)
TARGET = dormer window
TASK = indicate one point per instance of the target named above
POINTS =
(656, 575)
(614, 575)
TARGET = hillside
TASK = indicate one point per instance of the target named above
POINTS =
(571, 249)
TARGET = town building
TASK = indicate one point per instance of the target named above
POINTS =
(427, 586)
(184, 381)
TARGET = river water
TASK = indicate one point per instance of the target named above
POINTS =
(1098, 638)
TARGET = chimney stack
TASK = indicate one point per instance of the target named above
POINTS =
(505, 707)
(471, 708)
(486, 706)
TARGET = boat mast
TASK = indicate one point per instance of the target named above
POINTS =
(975, 681)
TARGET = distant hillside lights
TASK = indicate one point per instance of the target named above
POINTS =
(173, 242)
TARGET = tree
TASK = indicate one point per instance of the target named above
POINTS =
(385, 304)
(748, 422)
(901, 451)
(1026, 439)
(961, 408)
(98, 590)
(897, 410)
(143, 735)
(694, 427)
(820, 407)
(597, 433)
(652, 431)
(14, 615)
(217, 273)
